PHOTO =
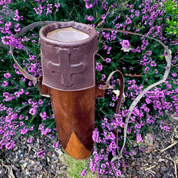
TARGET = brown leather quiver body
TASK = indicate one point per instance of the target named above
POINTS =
(69, 77)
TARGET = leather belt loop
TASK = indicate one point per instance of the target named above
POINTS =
(100, 91)
(44, 90)
(120, 95)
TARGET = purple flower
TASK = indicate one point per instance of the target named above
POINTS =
(44, 132)
(103, 76)
(125, 112)
(30, 101)
(7, 75)
(32, 111)
(17, 94)
(30, 140)
(13, 132)
(105, 5)
(99, 66)
(89, 18)
(17, 17)
(24, 130)
(148, 101)
(6, 40)
(125, 43)
(169, 86)
(112, 104)
(138, 126)
(83, 173)
(137, 12)
(174, 74)
(90, 5)
(108, 60)
(153, 64)
(146, 69)
(21, 123)
(112, 145)
(41, 127)
(118, 172)
(166, 128)
(143, 47)
(103, 165)
(139, 138)
(8, 24)
(108, 51)
(3, 142)
(103, 16)
(5, 84)
(57, 6)
(55, 145)
(10, 145)
(96, 137)
(40, 101)
(102, 171)
(128, 21)
(21, 91)
(41, 153)
(43, 114)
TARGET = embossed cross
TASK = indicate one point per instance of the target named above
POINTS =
(65, 68)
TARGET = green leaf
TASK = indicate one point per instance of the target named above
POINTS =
(22, 83)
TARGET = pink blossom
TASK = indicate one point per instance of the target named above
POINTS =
(7, 75)
(32, 111)
(139, 138)
(125, 43)
(5, 84)
(41, 153)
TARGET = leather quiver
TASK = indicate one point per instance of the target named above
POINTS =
(69, 80)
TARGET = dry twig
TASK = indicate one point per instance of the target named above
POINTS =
(169, 147)
(175, 167)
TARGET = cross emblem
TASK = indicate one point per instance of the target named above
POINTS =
(65, 68)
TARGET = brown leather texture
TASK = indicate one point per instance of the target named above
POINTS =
(44, 90)
(74, 117)
(100, 94)
(68, 66)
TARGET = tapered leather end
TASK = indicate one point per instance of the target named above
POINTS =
(76, 149)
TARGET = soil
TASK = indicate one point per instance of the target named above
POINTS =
(156, 157)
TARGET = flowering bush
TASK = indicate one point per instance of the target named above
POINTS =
(26, 114)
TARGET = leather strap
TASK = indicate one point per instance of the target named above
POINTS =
(119, 99)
